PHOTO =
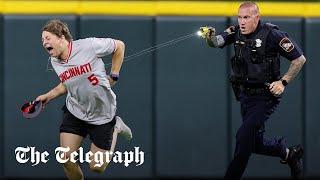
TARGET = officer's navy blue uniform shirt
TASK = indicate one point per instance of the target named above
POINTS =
(277, 41)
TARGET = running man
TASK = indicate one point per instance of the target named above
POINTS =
(258, 86)
(90, 103)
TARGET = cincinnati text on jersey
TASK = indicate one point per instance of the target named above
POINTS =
(75, 71)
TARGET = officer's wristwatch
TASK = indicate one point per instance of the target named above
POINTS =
(284, 82)
(114, 77)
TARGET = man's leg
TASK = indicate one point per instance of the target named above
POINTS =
(244, 142)
(251, 110)
(276, 146)
(73, 141)
(95, 149)
(264, 146)
(102, 136)
(243, 150)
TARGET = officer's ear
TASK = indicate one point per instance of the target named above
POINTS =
(257, 17)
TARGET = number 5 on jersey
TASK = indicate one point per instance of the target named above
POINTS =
(93, 79)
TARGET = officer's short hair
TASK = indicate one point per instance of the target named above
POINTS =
(58, 28)
(249, 4)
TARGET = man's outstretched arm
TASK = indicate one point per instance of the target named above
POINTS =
(215, 41)
(220, 40)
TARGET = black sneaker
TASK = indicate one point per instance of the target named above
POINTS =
(294, 161)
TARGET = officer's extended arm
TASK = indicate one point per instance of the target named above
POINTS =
(209, 33)
(294, 68)
(215, 41)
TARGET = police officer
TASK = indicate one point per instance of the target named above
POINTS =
(258, 85)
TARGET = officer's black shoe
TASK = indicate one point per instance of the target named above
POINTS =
(294, 161)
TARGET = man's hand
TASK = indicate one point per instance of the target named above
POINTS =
(276, 88)
(207, 32)
(230, 30)
(44, 98)
(111, 81)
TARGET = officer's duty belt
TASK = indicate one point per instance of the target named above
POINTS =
(255, 91)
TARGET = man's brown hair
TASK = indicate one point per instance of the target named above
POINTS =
(58, 28)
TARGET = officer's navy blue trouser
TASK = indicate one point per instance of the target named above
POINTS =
(255, 110)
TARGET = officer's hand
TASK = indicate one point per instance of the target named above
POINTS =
(207, 32)
(276, 88)
(230, 30)
(111, 81)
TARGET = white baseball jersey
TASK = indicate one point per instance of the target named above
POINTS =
(90, 97)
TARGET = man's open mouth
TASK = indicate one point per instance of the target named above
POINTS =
(49, 48)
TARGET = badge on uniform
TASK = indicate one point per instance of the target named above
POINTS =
(286, 44)
(258, 42)
(31, 109)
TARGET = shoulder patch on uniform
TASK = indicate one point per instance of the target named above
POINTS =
(286, 44)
